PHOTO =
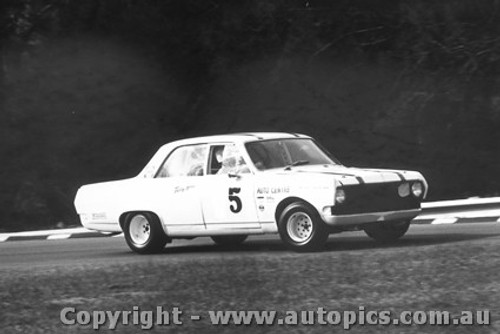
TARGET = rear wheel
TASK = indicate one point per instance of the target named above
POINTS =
(301, 228)
(387, 231)
(144, 233)
(229, 240)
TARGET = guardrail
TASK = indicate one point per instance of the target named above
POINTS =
(67, 233)
(471, 210)
(463, 210)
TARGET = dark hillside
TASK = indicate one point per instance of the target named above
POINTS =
(89, 90)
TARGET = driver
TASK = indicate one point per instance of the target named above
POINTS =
(232, 162)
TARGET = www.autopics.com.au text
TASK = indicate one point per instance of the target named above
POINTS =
(147, 319)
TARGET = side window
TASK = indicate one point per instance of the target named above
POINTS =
(185, 161)
(232, 161)
(215, 163)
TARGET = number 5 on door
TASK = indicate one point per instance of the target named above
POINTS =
(235, 200)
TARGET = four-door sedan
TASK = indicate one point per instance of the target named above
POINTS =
(231, 186)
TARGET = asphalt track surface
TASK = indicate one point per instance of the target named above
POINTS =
(43, 254)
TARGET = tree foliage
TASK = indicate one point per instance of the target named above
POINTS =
(438, 63)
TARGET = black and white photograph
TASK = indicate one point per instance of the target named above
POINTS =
(253, 166)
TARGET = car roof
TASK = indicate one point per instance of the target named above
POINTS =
(242, 137)
(238, 137)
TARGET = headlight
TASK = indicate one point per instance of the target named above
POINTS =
(340, 196)
(417, 189)
(404, 190)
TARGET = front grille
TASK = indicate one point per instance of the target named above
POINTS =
(374, 197)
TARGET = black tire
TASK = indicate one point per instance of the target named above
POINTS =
(301, 228)
(387, 231)
(229, 240)
(144, 233)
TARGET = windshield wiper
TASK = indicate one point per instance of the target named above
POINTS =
(296, 163)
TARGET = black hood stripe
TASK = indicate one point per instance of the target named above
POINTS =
(401, 176)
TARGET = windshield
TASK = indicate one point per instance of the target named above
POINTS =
(287, 152)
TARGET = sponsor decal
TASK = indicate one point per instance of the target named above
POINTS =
(273, 190)
(99, 216)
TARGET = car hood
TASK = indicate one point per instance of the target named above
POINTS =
(354, 175)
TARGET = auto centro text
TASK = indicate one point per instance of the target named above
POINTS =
(147, 319)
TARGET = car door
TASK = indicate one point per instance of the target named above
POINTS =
(178, 183)
(228, 198)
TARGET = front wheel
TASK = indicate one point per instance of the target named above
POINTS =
(301, 228)
(144, 233)
(387, 231)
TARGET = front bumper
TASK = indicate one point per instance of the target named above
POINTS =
(371, 217)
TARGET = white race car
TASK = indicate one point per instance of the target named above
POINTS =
(231, 186)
